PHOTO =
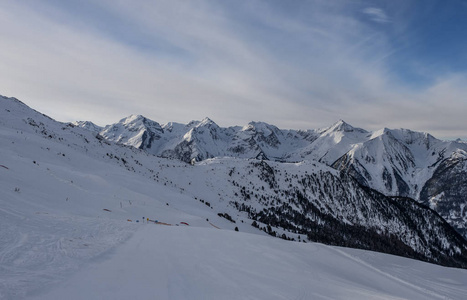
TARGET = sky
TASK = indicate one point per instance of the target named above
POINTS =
(300, 64)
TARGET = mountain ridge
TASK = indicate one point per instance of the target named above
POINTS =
(395, 162)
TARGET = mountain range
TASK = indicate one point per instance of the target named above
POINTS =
(395, 162)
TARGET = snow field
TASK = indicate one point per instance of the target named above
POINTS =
(161, 262)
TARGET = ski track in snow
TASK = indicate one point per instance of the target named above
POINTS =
(390, 276)
(39, 249)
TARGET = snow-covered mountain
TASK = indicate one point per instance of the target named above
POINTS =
(395, 162)
(406, 163)
(136, 131)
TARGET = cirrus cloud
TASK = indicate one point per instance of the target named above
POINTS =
(302, 66)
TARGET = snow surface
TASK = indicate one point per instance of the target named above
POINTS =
(68, 230)
(161, 262)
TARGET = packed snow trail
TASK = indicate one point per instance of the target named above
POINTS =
(162, 262)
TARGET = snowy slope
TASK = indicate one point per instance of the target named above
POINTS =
(161, 262)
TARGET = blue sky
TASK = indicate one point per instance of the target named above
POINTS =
(295, 64)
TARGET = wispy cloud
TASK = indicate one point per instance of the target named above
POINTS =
(377, 15)
(296, 67)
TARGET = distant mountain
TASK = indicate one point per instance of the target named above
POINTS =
(306, 201)
(395, 162)
(88, 125)
(135, 130)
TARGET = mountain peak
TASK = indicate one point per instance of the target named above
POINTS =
(258, 124)
(88, 125)
(207, 122)
(341, 126)
(341, 122)
(140, 121)
(132, 119)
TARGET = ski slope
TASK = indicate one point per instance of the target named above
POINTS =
(161, 262)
